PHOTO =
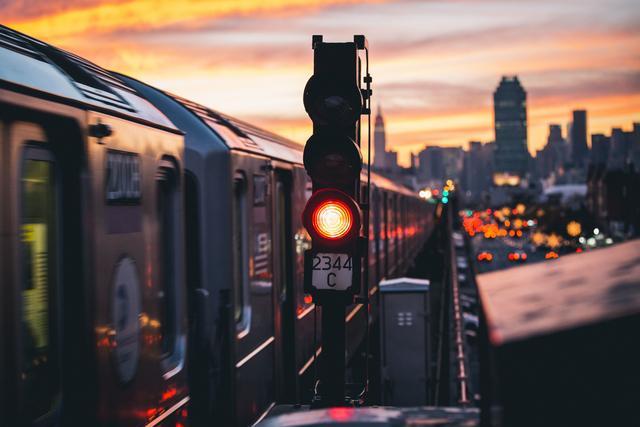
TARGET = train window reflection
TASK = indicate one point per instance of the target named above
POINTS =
(39, 373)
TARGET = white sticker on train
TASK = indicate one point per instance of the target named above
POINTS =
(126, 306)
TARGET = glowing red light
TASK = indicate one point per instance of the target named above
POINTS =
(171, 392)
(332, 219)
(308, 299)
(341, 414)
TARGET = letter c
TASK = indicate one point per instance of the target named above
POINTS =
(331, 285)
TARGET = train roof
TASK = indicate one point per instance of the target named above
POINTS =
(32, 66)
(240, 135)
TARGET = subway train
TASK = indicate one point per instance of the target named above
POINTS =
(152, 253)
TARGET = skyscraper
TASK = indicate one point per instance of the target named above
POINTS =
(510, 121)
(599, 149)
(555, 135)
(477, 169)
(431, 163)
(379, 142)
(579, 148)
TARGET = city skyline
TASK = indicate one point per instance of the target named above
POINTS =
(251, 59)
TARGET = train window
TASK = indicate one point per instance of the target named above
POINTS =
(166, 180)
(39, 370)
(241, 251)
(260, 189)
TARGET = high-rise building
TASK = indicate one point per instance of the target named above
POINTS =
(478, 169)
(431, 164)
(555, 135)
(379, 143)
(452, 162)
(414, 161)
(510, 124)
(552, 157)
(635, 146)
(619, 149)
(392, 161)
(599, 149)
(579, 148)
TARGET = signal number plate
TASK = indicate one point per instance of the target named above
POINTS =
(332, 271)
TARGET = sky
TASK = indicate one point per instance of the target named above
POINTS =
(435, 64)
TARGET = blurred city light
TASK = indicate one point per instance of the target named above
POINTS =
(574, 229)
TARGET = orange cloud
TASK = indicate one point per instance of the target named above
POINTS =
(139, 15)
(435, 84)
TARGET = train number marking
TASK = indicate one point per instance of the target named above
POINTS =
(332, 271)
(122, 178)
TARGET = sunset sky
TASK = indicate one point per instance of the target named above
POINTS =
(435, 64)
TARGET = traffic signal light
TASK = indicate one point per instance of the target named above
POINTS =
(334, 101)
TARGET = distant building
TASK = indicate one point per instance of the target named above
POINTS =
(614, 181)
(599, 149)
(552, 157)
(453, 160)
(477, 171)
(510, 124)
(579, 148)
(440, 163)
(635, 146)
(620, 149)
(431, 165)
(383, 160)
(392, 161)
(379, 143)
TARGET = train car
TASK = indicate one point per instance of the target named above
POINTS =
(92, 305)
(252, 327)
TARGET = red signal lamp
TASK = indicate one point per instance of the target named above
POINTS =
(331, 216)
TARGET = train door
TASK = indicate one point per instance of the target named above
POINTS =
(283, 287)
(137, 286)
(34, 271)
(254, 384)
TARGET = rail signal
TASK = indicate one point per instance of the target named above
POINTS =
(333, 216)
(334, 101)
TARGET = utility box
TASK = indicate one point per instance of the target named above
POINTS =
(404, 323)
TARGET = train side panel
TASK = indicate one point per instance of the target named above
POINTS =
(139, 299)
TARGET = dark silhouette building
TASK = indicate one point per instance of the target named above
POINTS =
(431, 163)
(599, 149)
(379, 143)
(477, 170)
(510, 124)
(552, 157)
(579, 148)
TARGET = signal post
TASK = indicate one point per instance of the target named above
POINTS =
(333, 216)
